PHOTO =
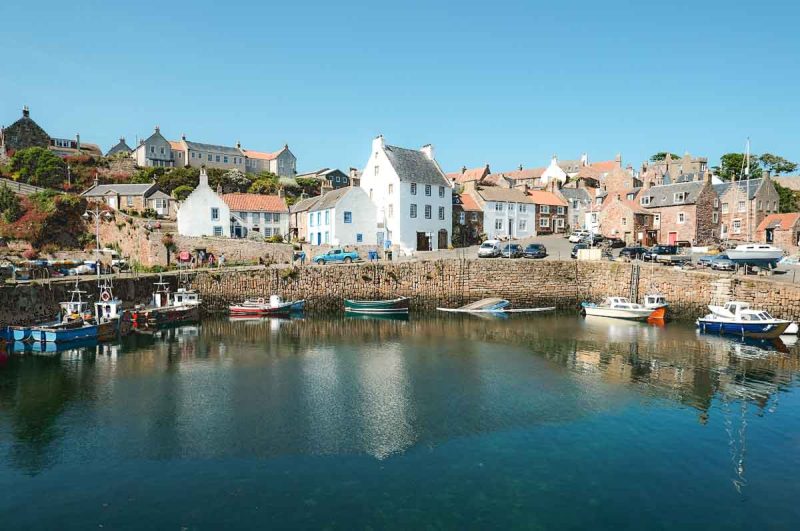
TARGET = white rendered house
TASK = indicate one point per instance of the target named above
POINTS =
(344, 216)
(412, 196)
(507, 212)
(204, 213)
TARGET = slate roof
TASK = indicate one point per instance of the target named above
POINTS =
(121, 189)
(121, 147)
(329, 199)
(197, 146)
(413, 166)
(508, 195)
(779, 221)
(304, 205)
(255, 203)
(664, 195)
(158, 194)
(576, 193)
(723, 188)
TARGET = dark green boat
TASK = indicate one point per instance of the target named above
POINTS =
(391, 306)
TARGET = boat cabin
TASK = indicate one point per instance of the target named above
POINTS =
(655, 300)
(185, 297)
(76, 307)
(108, 307)
(619, 302)
(742, 311)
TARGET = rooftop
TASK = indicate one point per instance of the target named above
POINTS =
(414, 166)
(121, 189)
(255, 203)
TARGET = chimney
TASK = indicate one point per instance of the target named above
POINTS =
(203, 178)
(584, 159)
(122, 140)
(183, 136)
(427, 149)
(281, 192)
(325, 187)
(520, 167)
(78, 141)
(463, 169)
(238, 144)
(26, 113)
(618, 160)
(377, 144)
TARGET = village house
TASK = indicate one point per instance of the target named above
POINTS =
(579, 201)
(26, 133)
(744, 205)
(266, 215)
(467, 220)
(508, 213)
(781, 230)
(333, 177)
(133, 198)
(682, 212)
(298, 218)
(121, 148)
(413, 198)
(697, 166)
(154, 152)
(465, 175)
(621, 216)
(345, 216)
(203, 212)
(282, 162)
(620, 179)
(196, 155)
(550, 212)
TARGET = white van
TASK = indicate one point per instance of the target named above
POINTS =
(489, 249)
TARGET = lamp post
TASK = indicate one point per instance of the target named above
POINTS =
(97, 213)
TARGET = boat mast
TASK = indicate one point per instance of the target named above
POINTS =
(747, 197)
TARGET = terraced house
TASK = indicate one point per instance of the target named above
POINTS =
(507, 212)
(682, 212)
(265, 215)
(744, 205)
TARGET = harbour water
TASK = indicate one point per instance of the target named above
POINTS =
(442, 422)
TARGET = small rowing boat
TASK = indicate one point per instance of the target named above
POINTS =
(390, 306)
(493, 305)
(261, 307)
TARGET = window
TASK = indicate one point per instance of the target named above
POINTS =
(645, 200)
(256, 217)
(716, 202)
(153, 150)
(327, 237)
(630, 196)
(474, 216)
(656, 220)
(217, 231)
(560, 223)
(441, 191)
(359, 238)
(376, 173)
(737, 226)
(760, 205)
(681, 217)
(311, 220)
(441, 212)
(594, 217)
(162, 150)
(428, 212)
(715, 217)
(276, 217)
(327, 217)
(192, 154)
(413, 212)
(724, 208)
(523, 224)
(214, 214)
(129, 200)
(498, 224)
(217, 158)
(544, 209)
(348, 217)
(624, 221)
(544, 222)
(391, 188)
(498, 207)
(679, 197)
(561, 210)
(742, 207)
(267, 217)
(210, 157)
(225, 159)
(462, 218)
(268, 232)
(775, 206)
(390, 211)
(523, 208)
(413, 188)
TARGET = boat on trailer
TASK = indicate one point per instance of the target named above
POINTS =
(739, 319)
(493, 305)
(261, 307)
(380, 307)
(618, 308)
(755, 254)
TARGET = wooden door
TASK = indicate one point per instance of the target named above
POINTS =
(442, 239)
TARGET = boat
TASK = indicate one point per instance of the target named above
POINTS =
(74, 323)
(756, 254)
(657, 303)
(618, 308)
(167, 308)
(738, 319)
(792, 329)
(260, 307)
(111, 319)
(390, 306)
(493, 305)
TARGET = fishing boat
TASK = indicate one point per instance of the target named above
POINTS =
(738, 319)
(618, 308)
(657, 303)
(260, 307)
(390, 306)
(493, 305)
(755, 254)
(74, 322)
(166, 308)
(112, 320)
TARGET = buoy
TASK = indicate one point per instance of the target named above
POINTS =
(105, 297)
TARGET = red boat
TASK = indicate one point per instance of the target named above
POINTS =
(166, 308)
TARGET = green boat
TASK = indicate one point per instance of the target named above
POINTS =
(391, 306)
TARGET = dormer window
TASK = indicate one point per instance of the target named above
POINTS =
(645, 200)
(680, 197)
(630, 196)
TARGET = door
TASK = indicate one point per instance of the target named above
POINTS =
(442, 239)
(511, 233)
(770, 234)
(673, 237)
(422, 242)
(319, 238)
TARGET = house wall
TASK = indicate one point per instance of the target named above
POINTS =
(550, 219)
(264, 223)
(492, 217)
(197, 158)
(765, 201)
(194, 214)
(362, 212)
(284, 165)
(156, 151)
(466, 232)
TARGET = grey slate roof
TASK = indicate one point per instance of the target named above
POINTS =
(122, 147)
(723, 188)
(664, 195)
(573, 194)
(330, 199)
(413, 166)
(158, 194)
(197, 146)
(304, 205)
(121, 189)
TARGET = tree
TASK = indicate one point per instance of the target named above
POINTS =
(169, 244)
(662, 155)
(788, 198)
(39, 167)
(176, 177)
(265, 185)
(309, 186)
(182, 192)
(147, 175)
(10, 209)
(732, 166)
(234, 181)
(777, 165)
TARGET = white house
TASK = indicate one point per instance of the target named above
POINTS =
(507, 212)
(267, 215)
(412, 196)
(204, 213)
(553, 172)
(344, 216)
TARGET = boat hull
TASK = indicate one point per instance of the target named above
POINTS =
(64, 335)
(165, 316)
(617, 313)
(659, 313)
(394, 306)
(258, 310)
(741, 329)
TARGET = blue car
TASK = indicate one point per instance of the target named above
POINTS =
(335, 256)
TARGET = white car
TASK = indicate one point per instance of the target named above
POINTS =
(578, 235)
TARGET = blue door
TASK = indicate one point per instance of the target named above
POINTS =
(319, 238)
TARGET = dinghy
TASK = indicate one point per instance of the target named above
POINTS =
(390, 306)
(260, 307)
(493, 305)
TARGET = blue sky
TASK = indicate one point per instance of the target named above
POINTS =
(507, 83)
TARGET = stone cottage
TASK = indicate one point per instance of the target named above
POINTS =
(781, 230)
(621, 216)
(467, 220)
(744, 205)
(683, 212)
(133, 197)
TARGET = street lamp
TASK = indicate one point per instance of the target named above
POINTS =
(97, 214)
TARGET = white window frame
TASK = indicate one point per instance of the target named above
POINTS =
(644, 200)
(428, 212)
(544, 209)
(498, 224)
(681, 218)
(413, 188)
(544, 222)
(462, 218)
(441, 212)
(427, 190)
(412, 210)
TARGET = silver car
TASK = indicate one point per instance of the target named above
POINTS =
(489, 249)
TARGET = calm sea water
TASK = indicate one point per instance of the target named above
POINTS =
(443, 423)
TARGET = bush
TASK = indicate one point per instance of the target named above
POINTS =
(149, 213)
(39, 167)
(10, 208)
(182, 192)
(275, 239)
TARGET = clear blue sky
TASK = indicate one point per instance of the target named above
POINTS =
(501, 82)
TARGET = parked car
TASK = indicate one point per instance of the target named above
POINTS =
(535, 250)
(335, 255)
(633, 253)
(721, 262)
(489, 249)
(615, 243)
(706, 259)
(656, 250)
(578, 235)
(576, 248)
(512, 250)
(592, 239)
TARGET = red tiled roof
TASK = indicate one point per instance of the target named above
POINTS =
(261, 155)
(779, 221)
(255, 203)
(541, 197)
(525, 173)
(469, 204)
(175, 145)
(604, 165)
(475, 174)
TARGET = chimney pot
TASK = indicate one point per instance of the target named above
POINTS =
(26, 112)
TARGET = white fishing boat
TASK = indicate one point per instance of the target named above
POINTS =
(493, 305)
(618, 308)
(260, 307)
(738, 319)
(657, 303)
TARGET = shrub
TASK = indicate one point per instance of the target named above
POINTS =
(39, 167)
(182, 192)
(275, 239)
(10, 208)
(149, 213)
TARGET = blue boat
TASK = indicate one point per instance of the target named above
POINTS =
(737, 319)
(65, 335)
(72, 326)
(20, 333)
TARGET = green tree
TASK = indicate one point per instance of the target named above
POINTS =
(661, 155)
(267, 185)
(147, 175)
(10, 209)
(732, 166)
(39, 167)
(234, 181)
(309, 186)
(182, 192)
(777, 165)
(176, 177)
(788, 200)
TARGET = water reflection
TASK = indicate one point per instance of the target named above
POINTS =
(272, 387)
